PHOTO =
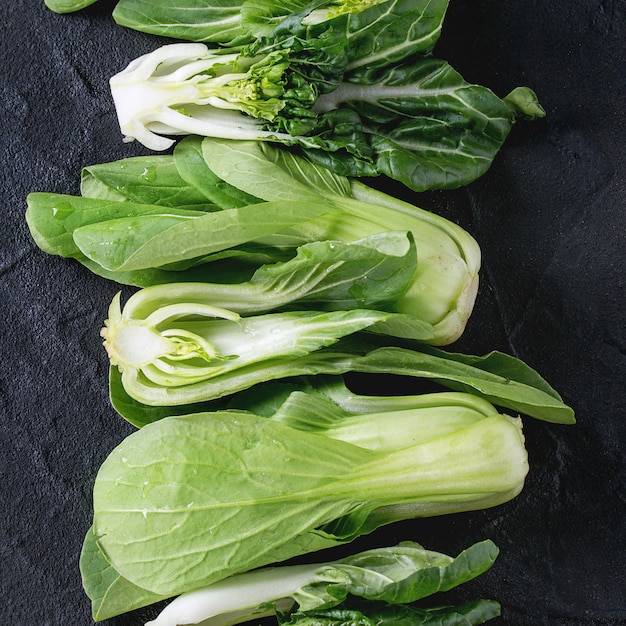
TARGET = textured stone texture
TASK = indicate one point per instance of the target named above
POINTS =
(549, 216)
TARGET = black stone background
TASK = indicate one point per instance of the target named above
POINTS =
(549, 216)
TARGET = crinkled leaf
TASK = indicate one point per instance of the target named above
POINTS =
(389, 32)
(468, 614)
(398, 575)
(429, 127)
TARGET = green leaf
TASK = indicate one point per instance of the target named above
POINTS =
(386, 33)
(257, 169)
(53, 218)
(524, 103)
(110, 593)
(430, 128)
(468, 614)
(153, 180)
(150, 550)
(149, 241)
(217, 21)
(194, 170)
(68, 6)
(139, 415)
(497, 377)
(400, 575)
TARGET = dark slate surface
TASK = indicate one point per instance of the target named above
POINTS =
(549, 216)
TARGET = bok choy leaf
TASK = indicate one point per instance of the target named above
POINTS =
(190, 500)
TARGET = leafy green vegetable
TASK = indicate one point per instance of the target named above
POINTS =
(110, 593)
(67, 6)
(498, 378)
(378, 29)
(250, 221)
(333, 275)
(163, 351)
(189, 500)
(324, 406)
(467, 614)
(217, 21)
(398, 575)
(416, 121)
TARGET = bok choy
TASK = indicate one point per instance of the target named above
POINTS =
(381, 581)
(190, 500)
(417, 122)
(228, 208)
(174, 352)
(185, 343)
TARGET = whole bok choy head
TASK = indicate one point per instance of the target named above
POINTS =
(377, 585)
(356, 97)
(218, 205)
(190, 500)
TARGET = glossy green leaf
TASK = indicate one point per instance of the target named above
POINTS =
(153, 180)
(386, 33)
(214, 21)
(143, 241)
(53, 218)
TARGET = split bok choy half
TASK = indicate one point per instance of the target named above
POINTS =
(174, 349)
(190, 500)
(167, 356)
(418, 122)
(216, 211)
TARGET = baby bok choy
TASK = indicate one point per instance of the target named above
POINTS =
(170, 346)
(217, 210)
(377, 584)
(190, 500)
(165, 352)
(418, 121)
